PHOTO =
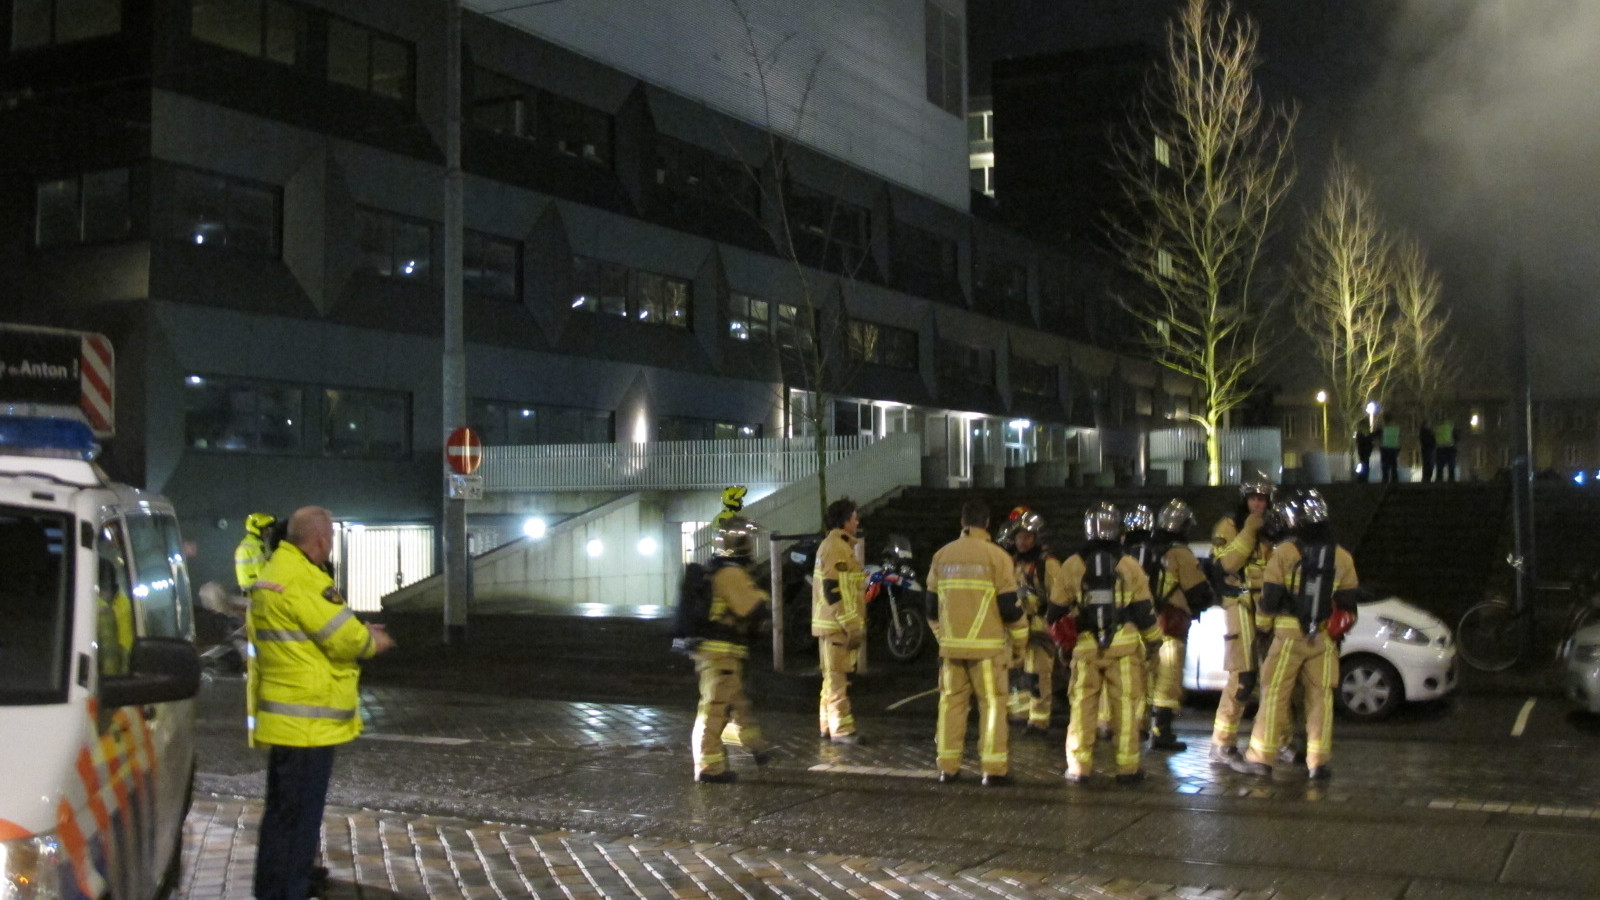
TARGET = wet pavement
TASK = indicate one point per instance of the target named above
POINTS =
(504, 790)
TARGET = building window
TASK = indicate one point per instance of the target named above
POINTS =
(366, 424)
(1143, 402)
(1163, 152)
(83, 209)
(363, 59)
(41, 23)
(269, 30)
(842, 228)
(661, 300)
(980, 126)
(394, 247)
(883, 345)
(689, 172)
(554, 123)
(577, 130)
(1034, 378)
(943, 45)
(965, 363)
(682, 428)
(981, 180)
(214, 211)
(1572, 454)
(599, 286)
(506, 422)
(749, 318)
(237, 415)
(491, 266)
(924, 253)
(1291, 424)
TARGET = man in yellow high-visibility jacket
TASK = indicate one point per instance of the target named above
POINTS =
(302, 696)
(251, 554)
(972, 605)
(838, 619)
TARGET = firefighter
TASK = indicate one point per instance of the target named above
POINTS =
(1308, 601)
(974, 611)
(724, 712)
(1181, 592)
(252, 553)
(1032, 690)
(1106, 596)
(1138, 524)
(838, 588)
(1238, 549)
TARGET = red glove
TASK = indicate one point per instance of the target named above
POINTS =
(1340, 622)
(1174, 623)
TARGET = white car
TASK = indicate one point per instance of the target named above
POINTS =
(1396, 652)
(1582, 657)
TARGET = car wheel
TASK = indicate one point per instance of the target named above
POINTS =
(1369, 688)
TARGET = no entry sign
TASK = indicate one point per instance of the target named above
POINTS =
(464, 451)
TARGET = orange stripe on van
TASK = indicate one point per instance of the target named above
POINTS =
(10, 831)
(77, 850)
(90, 777)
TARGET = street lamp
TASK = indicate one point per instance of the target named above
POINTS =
(1322, 400)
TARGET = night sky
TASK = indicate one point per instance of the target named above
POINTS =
(1478, 122)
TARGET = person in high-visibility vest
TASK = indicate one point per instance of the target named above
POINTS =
(1389, 449)
(1445, 438)
(302, 696)
(973, 608)
(252, 553)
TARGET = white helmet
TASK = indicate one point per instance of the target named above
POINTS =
(1140, 518)
(1102, 522)
(736, 538)
(1258, 483)
(1304, 508)
(1175, 516)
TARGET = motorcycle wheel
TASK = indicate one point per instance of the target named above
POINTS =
(908, 635)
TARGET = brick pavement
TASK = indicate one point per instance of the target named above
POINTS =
(372, 854)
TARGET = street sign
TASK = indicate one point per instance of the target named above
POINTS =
(464, 451)
(464, 487)
(59, 372)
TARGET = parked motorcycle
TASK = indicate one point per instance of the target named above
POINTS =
(896, 619)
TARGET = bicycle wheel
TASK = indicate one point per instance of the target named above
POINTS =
(1490, 636)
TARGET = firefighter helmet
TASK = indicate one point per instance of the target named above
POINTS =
(1102, 522)
(1304, 508)
(1258, 483)
(1140, 518)
(736, 538)
(258, 523)
(1175, 516)
(733, 497)
(1021, 519)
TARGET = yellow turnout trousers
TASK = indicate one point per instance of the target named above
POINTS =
(724, 713)
(1118, 672)
(1034, 706)
(959, 679)
(1166, 682)
(1239, 656)
(833, 711)
(1312, 663)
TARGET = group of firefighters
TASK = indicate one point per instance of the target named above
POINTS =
(1116, 612)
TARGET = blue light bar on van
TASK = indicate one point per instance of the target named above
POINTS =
(56, 438)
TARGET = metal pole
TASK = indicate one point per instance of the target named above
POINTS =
(775, 563)
(1521, 450)
(457, 584)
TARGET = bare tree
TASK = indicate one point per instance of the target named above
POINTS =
(1427, 358)
(1204, 167)
(1345, 274)
(825, 349)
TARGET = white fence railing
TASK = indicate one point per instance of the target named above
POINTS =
(1242, 448)
(662, 465)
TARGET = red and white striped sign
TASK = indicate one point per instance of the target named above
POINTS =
(97, 394)
(464, 451)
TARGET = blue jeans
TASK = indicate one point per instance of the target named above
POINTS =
(291, 824)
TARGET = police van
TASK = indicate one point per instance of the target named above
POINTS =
(98, 669)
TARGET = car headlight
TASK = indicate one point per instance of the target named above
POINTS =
(30, 868)
(1404, 632)
(1586, 653)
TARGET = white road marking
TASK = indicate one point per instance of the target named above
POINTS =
(899, 703)
(874, 770)
(1522, 718)
(417, 739)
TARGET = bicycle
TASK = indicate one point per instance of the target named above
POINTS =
(1493, 635)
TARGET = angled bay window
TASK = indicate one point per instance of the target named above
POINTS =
(1034, 378)
(366, 424)
(41, 23)
(883, 345)
(492, 266)
(749, 318)
(267, 29)
(684, 428)
(216, 211)
(243, 415)
(599, 286)
(827, 228)
(502, 104)
(963, 362)
(83, 209)
(394, 247)
(610, 289)
(366, 60)
(686, 171)
(661, 300)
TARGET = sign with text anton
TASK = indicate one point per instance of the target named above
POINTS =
(45, 367)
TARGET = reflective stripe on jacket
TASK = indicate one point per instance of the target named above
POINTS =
(969, 575)
(1241, 552)
(735, 601)
(248, 558)
(836, 562)
(1284, 569)
(303, 680)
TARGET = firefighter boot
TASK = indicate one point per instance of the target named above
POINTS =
(1161, 736)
